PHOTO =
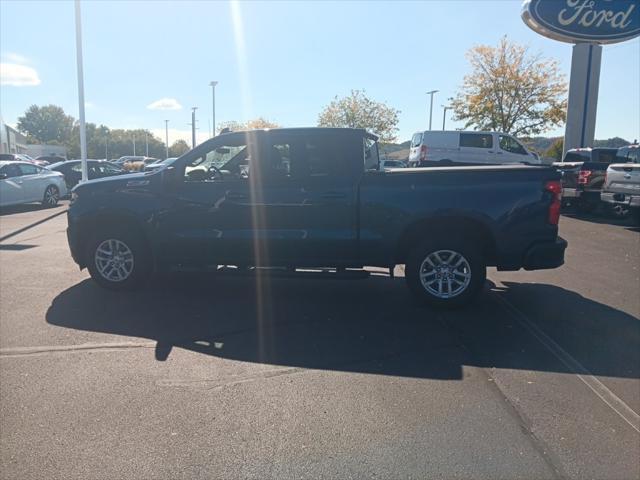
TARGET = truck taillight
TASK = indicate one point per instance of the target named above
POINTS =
(583, 177)
(423, 153)
(555, 188)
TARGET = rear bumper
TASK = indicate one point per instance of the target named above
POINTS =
(545, 255)
(620, 199)
(571, 193)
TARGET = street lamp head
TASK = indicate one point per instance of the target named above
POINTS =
(432, 92)
(213, 83)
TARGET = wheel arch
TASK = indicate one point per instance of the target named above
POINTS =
(110, 220)
(454, 225)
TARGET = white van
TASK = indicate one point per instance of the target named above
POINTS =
(467, 147)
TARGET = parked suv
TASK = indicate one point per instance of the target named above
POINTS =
(458, 147)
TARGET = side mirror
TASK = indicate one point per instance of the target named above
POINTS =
(3, 176)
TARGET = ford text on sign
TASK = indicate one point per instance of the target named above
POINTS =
(575, 21)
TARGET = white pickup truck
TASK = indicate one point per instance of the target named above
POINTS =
(621, 188)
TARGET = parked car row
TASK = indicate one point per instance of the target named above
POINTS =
(41, 161)
(23, 180)
(584, 178)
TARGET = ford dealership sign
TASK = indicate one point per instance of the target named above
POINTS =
(576, 21)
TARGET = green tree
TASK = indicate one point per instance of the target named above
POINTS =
(255, 124)
(179, 147)
(47, 124)
(511, 91)
(555, 150)
(359, 111)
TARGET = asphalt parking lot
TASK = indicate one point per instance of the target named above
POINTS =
(258, 377)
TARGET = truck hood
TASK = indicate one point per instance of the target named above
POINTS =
(117, 182)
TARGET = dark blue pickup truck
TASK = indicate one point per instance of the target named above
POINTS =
(315, 197)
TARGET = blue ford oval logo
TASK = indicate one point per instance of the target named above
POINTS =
(574, 21)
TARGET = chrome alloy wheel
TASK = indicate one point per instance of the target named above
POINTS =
(445, 273)
(114, 260)
(51, 196)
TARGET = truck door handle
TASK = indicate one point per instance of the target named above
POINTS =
(235, 196)
(333, 195)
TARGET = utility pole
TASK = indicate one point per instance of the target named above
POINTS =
(83, 130)
(444, 115)
(213, 109)
(166, 138)
(193, 127)
(146, 141)
(134, 144)
(431, 106)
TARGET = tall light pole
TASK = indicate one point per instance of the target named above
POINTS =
(83, 130)
(213, 105)
(193, 127)
(444, 115)
(431, 106)
(166, 138)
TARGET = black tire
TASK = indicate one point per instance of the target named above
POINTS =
(137, 272)
(619, 211)
(472, 255)
(51, 196)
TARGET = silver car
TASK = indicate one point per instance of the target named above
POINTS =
(24, 182)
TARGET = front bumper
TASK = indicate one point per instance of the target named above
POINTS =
(621, 199)
(74, 242)
(545, 255)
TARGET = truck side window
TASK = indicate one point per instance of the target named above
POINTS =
(226, 161)
(476, 140)
(327, 157)
(508, 144)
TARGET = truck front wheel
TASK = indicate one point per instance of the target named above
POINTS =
(445, 273)
(118, 260)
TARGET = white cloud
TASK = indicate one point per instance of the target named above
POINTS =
(18, 75)
(165, 104)
(14, 58)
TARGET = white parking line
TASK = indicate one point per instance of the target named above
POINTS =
(607, 396)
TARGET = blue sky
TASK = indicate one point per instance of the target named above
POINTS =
(280, 60)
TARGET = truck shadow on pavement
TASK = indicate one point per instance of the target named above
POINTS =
(367, 326)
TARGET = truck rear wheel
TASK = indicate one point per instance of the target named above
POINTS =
(445, 273)
(118, 260)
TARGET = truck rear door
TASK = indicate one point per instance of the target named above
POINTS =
(301, 200)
